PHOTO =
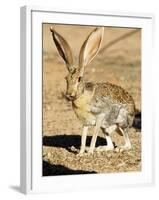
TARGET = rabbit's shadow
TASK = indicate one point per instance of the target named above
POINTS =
(137, 121)
(67, 141)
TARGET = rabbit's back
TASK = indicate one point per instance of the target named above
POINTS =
(117, 104)
(114, 92)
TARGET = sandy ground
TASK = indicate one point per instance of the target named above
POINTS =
(120, 64)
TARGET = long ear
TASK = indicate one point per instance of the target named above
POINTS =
(63, 49)
(90, 47)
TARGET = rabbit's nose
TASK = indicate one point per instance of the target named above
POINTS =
(70, 96)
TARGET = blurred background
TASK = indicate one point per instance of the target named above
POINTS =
(118, 62)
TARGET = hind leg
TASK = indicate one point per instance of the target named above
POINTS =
(124, 121)
(127, 144)
(107, 132)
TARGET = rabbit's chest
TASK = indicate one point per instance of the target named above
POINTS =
(81, 107)
(85, 116)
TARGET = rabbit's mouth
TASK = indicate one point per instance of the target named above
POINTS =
(70, 97)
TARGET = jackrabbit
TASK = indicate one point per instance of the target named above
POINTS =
(103, 105)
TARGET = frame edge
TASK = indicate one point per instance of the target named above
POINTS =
(25, 107)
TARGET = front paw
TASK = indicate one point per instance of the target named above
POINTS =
(90, 152)
(81, 153)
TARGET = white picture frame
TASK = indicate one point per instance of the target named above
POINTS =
(31, 103)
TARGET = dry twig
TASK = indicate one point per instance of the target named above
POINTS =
(118, 39)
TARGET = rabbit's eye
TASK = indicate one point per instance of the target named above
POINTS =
(79, 78)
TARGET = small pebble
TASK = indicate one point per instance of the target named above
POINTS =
(48, 154)
(48, 107)
(121, 164)
(109, 155)
(73, 149)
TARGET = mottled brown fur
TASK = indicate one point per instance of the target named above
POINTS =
(116, 93)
